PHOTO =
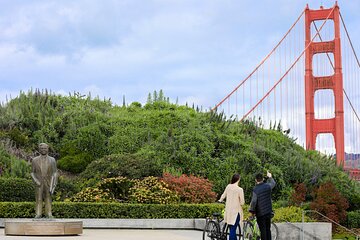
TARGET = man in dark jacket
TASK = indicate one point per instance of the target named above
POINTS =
(261, 205)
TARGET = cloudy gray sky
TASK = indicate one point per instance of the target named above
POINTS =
(195, 50)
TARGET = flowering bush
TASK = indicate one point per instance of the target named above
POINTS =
(108, 190)
(152, 190)
(92, 195)
(191, 189)
(117, 187)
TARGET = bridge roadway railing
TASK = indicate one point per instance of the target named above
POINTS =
(353, 173)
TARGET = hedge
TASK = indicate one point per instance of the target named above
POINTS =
(111, 210)
(16, 190)
(137, 211)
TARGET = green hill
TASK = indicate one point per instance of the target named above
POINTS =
(93, 139)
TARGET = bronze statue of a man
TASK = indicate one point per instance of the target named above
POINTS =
(44, 174)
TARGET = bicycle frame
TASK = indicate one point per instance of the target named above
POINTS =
(216, 228)
(255, 228)
(252, 230)
(220, 231)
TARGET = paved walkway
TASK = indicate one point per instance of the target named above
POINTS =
(118, 234)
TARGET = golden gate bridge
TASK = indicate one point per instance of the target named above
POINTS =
(309, 83)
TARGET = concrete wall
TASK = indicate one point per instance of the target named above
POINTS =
(287, 231)
(294, 231)
(315, 230)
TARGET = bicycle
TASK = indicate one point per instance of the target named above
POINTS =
(252, 231)
(216, 229)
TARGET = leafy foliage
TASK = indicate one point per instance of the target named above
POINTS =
(107, 190)
(330, 202)
(128, 211)
(40, 116)
(353, 219)
(118, 187)
(98, 140)
(74, 163)
(16, 190)
(289, 214)
(92, 195)
(151, 190)
(191, 189)
(65, 189)
(127, 165)
(111, 210)
(299, 194)
(11, 166)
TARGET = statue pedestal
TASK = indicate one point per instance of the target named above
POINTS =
(43, 227)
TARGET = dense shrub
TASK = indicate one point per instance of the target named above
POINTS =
(107, 190)
(75, 163)
(298, 195)
(16, 190)
(353, 219)
(91, 194)
(11, 166)
(117, 187)
(283, 214)
(191, 189)
(137, 211)
(17, 209)
(65, 188)
(328, 201)
(151, 190)
(126, 165)
(289, 214)
(111, 210)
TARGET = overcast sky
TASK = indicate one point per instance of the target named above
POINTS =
(195, 50)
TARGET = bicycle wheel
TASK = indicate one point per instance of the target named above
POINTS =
(211, 230)
(226, 231)
(274, 231)
(248, 231)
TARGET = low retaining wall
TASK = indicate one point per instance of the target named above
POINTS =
(306, 231)
(294, 231)
(287, 231)
(134, 223)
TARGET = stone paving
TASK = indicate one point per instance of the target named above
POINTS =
(118, 234)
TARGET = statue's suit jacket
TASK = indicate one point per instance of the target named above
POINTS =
(44, 170)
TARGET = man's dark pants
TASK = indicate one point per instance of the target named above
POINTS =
(264, 226)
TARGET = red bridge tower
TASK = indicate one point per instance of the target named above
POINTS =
(334, 125)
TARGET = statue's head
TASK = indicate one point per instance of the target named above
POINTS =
(43, 148)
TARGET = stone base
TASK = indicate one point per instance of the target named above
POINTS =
(43, 227)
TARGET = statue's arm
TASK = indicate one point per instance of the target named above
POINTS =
(37, 182)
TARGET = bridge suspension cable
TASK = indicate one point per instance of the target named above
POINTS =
(357, 61)
(260, 64)
(272, 95)
(289, 69)
(351, 91)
